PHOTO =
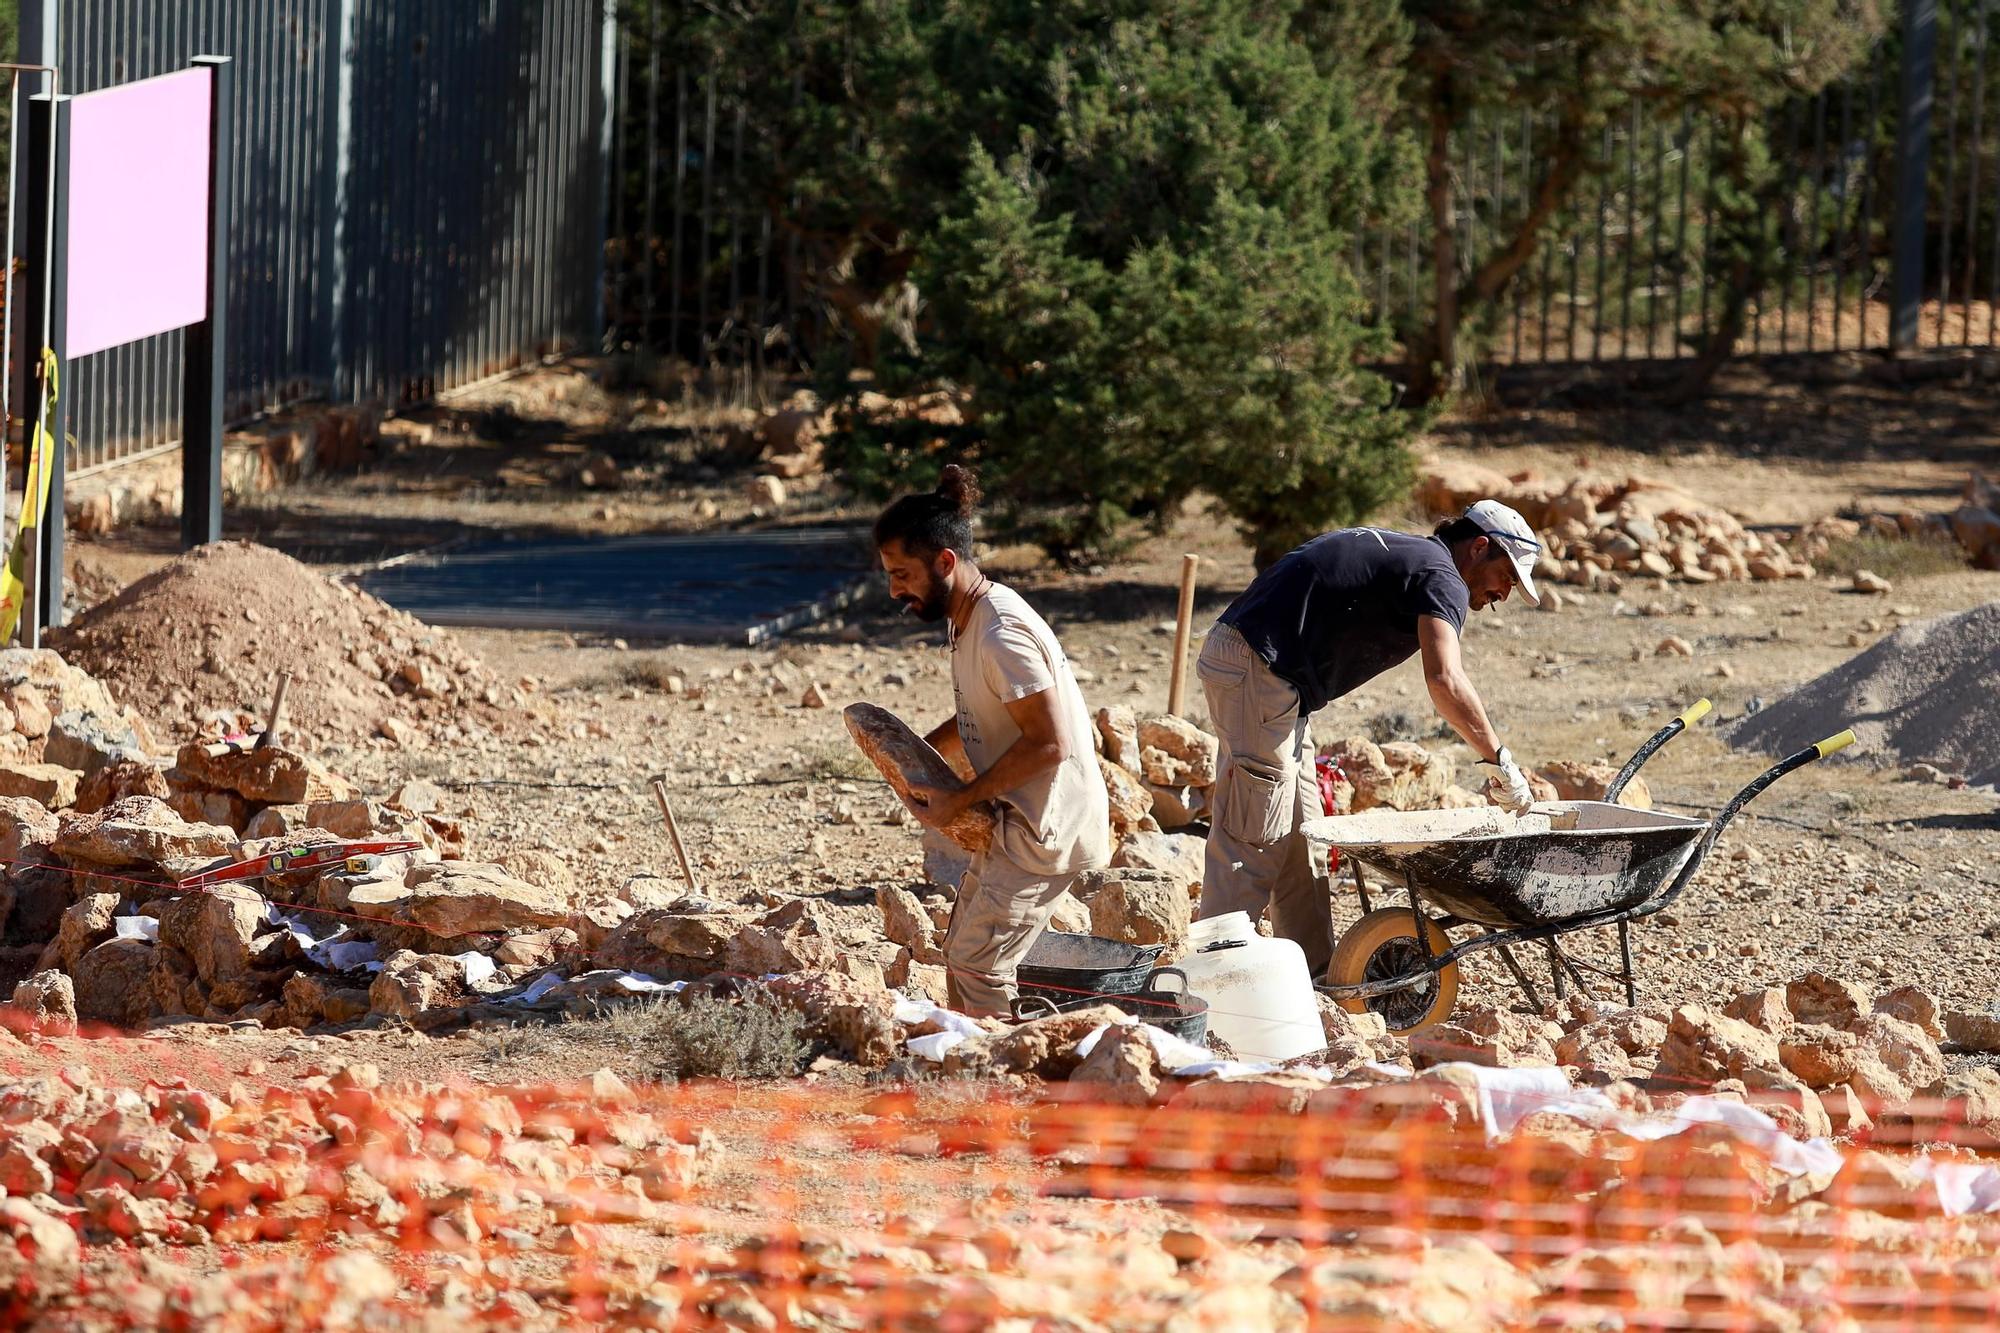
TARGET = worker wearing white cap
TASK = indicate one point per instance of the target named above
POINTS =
(1316, 625)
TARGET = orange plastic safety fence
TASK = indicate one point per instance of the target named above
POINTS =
(1278, 1202)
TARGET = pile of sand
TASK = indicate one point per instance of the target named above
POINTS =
(210, 632)
(1929, 693)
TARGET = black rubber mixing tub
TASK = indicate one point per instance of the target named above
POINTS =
(1074, 970)
(1177, 1011)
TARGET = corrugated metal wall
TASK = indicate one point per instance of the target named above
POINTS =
(476, 184)
(417, 204)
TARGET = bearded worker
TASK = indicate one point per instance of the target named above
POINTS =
(1021, 726)
(1316, 625)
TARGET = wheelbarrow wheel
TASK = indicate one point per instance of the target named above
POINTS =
(1382, 945)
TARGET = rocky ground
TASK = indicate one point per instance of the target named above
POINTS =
(290, 1139)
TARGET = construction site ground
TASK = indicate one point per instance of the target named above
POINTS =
(778, 803)
(1851, 869)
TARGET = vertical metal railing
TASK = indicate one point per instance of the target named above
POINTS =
(416, 196)
(1885, 197)
(1886, 202)
(702, 269)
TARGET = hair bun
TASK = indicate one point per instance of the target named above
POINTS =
(959, 488)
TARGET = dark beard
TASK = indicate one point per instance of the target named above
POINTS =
(932, 607)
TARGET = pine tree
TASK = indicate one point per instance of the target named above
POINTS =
(1141, 283)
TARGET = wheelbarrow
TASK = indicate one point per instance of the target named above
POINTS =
(1563, 866)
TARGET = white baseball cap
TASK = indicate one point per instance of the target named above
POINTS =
(1506, 528)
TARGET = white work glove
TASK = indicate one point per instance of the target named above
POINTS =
(1511, 791)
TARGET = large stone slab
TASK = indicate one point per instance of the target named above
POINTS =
(1129, 799)
(88, 741)
(24, 823)
(51, 785)
(116, 782)
(61, 686)
(906, 758)
(218, 928)
(1400, 775)
(412, 983)
(85, 924)
(806, 934)
(672, 943)
(48, 1000)
(1578, 780)
(1832, 1001)
(138, 831)
(1973, 1031)
(113, 983)
(1703, 1047)
(1118, 736)
(1137, 905)
(1174, 752)
(451, 899)
(905, 922)
(1179, 855)
(271, 776)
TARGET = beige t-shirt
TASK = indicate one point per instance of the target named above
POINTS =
(1059, 822)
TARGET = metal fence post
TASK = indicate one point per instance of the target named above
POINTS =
(47, 325)
(607, 129)
(203, 402)
(1913, 160)
(335, 224)
(38, 23)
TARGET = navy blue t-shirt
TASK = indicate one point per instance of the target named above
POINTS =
(1342, 609)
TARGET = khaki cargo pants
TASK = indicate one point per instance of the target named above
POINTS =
(1000, 912)
(1265, 787)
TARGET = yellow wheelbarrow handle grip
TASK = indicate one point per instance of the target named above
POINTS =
(1696, 712)
(1833, 743)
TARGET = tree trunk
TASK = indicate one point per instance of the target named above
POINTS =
(1749, 270)
(1721, 344)
(1491, 279)
(1435, 345)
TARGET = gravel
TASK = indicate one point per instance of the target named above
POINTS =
(1928, 693)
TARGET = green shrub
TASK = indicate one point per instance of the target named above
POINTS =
(1141, 281)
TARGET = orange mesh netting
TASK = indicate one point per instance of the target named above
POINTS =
(1271, 1202)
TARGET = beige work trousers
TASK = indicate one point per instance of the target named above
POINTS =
(1265, 787)
(1000, 912)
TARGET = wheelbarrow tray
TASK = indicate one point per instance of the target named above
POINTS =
(1561, 861)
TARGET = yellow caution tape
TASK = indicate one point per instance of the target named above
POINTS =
(1832, 743)
(41, 463)
(1696, 712)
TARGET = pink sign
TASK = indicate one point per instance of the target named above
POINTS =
(138, 210)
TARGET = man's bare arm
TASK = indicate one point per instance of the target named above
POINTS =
(1038, 749)
(947, 742)
(1452, 694)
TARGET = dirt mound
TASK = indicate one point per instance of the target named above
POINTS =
(210, 632)
(1929, 693)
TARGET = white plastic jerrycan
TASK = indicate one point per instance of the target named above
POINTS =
(1259, 993)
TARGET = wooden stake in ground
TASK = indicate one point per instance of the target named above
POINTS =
(1183, 629)
(674, 833)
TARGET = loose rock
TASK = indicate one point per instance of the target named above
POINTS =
(904, 758)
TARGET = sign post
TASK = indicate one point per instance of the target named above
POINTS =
(134, 184)
(46, 328)
(202, 366)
